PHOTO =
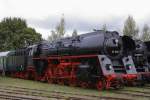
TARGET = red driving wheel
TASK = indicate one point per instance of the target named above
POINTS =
(49, 77)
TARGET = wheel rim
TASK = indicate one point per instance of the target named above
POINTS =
(49, 76)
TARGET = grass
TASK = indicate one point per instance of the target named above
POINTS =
(54, 87)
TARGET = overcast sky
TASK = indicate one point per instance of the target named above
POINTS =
(83, 15)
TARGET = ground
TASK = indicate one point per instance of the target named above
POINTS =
(28, 89)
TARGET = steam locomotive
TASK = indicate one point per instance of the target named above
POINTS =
(141, 59)
(101, 59)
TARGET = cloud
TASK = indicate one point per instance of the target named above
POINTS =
(45, 23)
(77, 23)
(82, 25)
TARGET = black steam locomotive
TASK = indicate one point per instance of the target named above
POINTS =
(101, 59)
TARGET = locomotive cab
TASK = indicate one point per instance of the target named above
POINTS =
(31, 52)
(34, 64)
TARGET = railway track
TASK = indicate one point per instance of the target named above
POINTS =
(128, 93)
(49, 95)
(36, 94)
(147, 87)
(29, 93)
(13, 94)
(140, 92)
(134, 91)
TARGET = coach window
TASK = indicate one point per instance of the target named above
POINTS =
(21, 52)
(0, 60)
(30, 52)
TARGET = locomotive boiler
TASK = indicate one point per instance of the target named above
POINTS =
(98, 42)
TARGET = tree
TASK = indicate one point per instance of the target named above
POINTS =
(53, 36)
(145, 33)
(14, 33)
(74, 33)
(130, 28)
(59, 31)
(30, 36)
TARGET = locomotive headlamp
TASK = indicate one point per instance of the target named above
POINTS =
(108, 67)
(128, 67)
(115, 41)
